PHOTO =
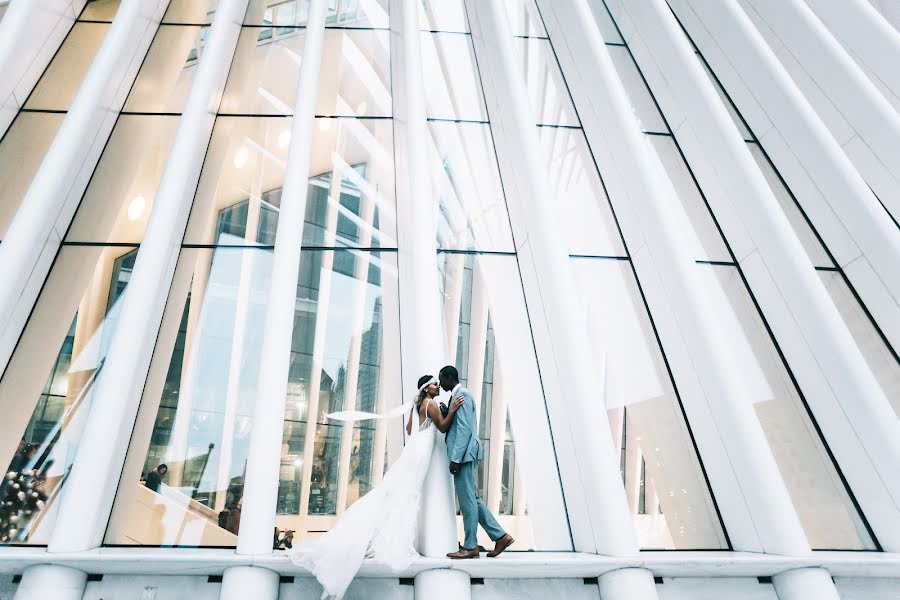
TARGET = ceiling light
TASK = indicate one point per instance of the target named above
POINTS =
(284, 138)
(240, 158)
(136, 208)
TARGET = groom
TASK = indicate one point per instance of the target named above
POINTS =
(464, 450)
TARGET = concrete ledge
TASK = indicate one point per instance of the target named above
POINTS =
(513, 565)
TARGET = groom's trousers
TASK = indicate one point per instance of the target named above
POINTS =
(472, 507)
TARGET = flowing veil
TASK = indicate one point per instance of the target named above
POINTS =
(382, 525)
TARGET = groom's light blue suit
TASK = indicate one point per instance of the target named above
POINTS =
(464, 447)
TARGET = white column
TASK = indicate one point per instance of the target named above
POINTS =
(46, 211)
(834, 195)
(642, 197)
(264, 456)
(588, 464)
(862, 120)
(868, 38)
(632, 583)
(51, 581)
(420, 308)
(30, 34)
(117, 393)
(800, 584)
(854, 413)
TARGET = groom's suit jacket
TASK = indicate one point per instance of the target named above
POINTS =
(462, 438)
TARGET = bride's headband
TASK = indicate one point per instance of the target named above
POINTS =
(425, 385)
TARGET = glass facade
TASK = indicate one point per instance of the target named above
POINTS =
(198, 400)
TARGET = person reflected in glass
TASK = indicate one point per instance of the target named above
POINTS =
(154, 478)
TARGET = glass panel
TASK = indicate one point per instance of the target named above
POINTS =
(820, 498)
(344, 356)
(452, 82)
(60, 82)
(472, 210)
(883, 363)
(100, 10)
(641, 102)
(165, 78)
(587, 219)
(355, 79)
(443, 15)
(191, 11)
(699, 231)
(801, 227)
(488, 337)
(46, 390)
(607, 27)
(118, 200)
(341, 13)
(245, 164)
(644, 413)
(524, 18)
(197, 409)
(547, 92)
(22, 150)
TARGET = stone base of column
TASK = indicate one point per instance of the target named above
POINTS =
(627, 584)
(51, 581)
(443, 583)
(239, 583)
(799, 584)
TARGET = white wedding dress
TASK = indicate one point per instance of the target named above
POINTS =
(382, 525)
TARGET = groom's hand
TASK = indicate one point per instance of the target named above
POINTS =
(454, 468)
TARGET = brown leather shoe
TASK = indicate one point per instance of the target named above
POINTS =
(500, 545)
(463, 553)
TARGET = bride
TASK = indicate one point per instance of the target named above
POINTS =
(382, 524)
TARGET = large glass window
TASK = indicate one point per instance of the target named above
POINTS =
(22, 150)
(466, 182)
(60, 82)
(645, 414)
(576, 191)
(443, 15)
(452, 82)
(355, 74)
(350, 200)
(168, 71)
(46, 390)
(343, 357)
(118, 200)
(197, 409)
(820, 497)
(488, 337)
(547, 92)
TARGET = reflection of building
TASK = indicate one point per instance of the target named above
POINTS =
(714, 211)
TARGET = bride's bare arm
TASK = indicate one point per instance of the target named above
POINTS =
(440, 421)
(412, 411)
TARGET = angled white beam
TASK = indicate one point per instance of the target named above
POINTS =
(868, 38)
(30, 34)
(834, 195)
(418, 279)
(264, 456)
(860, 118)
(117, 394)
(44, 215)
(642, 197)
(854, 412)
(588, 463)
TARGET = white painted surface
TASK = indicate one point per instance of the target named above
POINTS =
(691, 588)
(868, 588)
(151, 588)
